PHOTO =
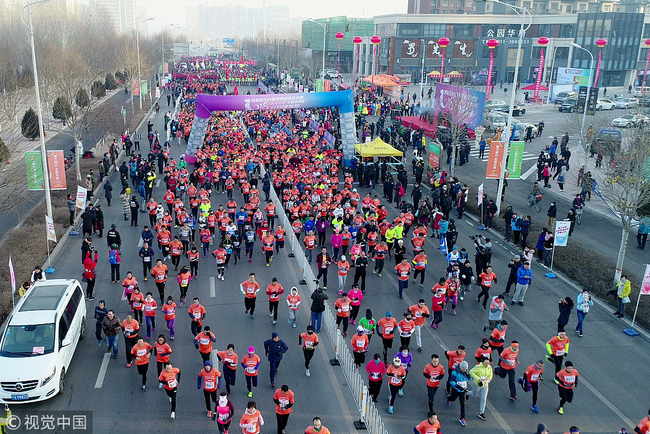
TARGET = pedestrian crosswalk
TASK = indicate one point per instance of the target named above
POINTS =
(528, 156)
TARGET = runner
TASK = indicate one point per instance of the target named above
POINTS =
(498, 337)
(176, 248)
(420, 311)
(274, 290)
(407, 361)
(356, 296)
(380, 256)
(406, 327)
(376, 370)
(150, 306)
(434, 373)
(458, 380)
(438, 302)
(169, 310)
(309, 342)
(388, 324)
(396, 374)
(566, 380)
(159, 273)
(488, 278)
(482, 375)
(342, 306)
(223, 413)
(509, 362)
(203, 342)
(251, 363)
(162, 350)
(197, 314)
(283, 399)
(268, 242)
(137, 302)
(644, 426)
(184, 278)
(252, 419)
(100, 314)
(274, 349)
(317, 427)
(359, 344)
(483, 351)
(530, 381)
(220, 255)
(211, 382)
(131, 328)
(141, 351)
(369, 324)
(129, 283)
(403, 271)
(229, 359)
(146, 253)
(250, 288)
(429, 426)
(420, 264)
(454, 358)
(558, 347)
(171, 378)
(293, 301)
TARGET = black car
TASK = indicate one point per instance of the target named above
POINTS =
(568, 105)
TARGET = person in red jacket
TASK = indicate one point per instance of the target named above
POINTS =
(211, 378)
(274, 290)
(359, 344)
(376, 370)
(566, 380)
(89, 273)
(644, 426)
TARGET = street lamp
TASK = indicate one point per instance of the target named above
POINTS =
(46, 173)
(375, 40)
(584, 110)
(647, 44)
(443, 42)
(137, 39)
(162, 46)
(357, 40)
(551, 86)
(339, 36)
(324, 26)
(521, 11)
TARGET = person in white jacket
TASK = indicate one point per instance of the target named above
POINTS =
(583, 303)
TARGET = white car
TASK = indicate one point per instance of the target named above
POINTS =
(626, 103)
(626, 121)
(39, 341)
(605, 104)
(333, 73)
(494, 103)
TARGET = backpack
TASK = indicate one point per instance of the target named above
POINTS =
(112, 257)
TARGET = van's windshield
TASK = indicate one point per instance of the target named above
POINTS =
(28, 340)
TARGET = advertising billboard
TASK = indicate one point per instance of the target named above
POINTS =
(465, 105)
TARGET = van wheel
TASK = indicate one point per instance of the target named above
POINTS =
(82, 333)
(629, 125)
(62, 381)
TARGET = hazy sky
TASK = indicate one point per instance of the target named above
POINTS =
(173, 12)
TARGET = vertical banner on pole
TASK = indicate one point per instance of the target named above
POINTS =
(13, 282)
(515, 158)
(645, 290)
(561, 233)
(51, 233)
(82, 195)
(56, 167)
(479, 200)
(495, 160)
(34, 165)
(645, 287)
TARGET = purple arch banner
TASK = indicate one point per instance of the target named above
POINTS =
(206, 104)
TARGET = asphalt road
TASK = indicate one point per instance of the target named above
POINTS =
(62, 141)
(608, 360)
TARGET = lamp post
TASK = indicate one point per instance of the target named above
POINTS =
(422, 76)
(492, 44)
(549, 81)
(137, 41)
(521, 11)
(357, 40)
(443, 42)
(647, 44)
(162, 49)
(540, 70)
(376, 40)
(584, 111)
(46, 173)
(339, 36)
(600, 43)
(324, 26)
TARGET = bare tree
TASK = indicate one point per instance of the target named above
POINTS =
(12, 175)
(593, 124)
(627, 186)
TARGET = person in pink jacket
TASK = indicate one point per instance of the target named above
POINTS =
(337, 241)
(355, 296)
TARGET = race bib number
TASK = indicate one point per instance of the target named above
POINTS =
(250, 290)
(395, 380)
(534, 377)
(388, 330)
(209, 384)
(141, 353)
(204, 341)
(197, 314)
(223, 417)
(250, 369)
(462, 384)
(172, 383)
(570, 379)
(146, 258)
(360, 343)
(252, 427)
(559, 353)
(309, 344)
(129, 329)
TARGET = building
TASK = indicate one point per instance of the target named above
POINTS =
(312, 38)
(463, 7)
(409, 41)
(120, 14)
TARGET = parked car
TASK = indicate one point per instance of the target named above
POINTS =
(609, 139)
(568, 105)
(626, 121)
(517, 110)
(494, 120)
(560, 97)
(605, 104)
(639, 91)
(626, 103)
(494, 102)
(40, 339)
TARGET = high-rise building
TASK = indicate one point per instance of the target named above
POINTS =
(120, 14)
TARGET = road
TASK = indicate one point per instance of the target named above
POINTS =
(118, 403)
(62, 141)
(605, 357)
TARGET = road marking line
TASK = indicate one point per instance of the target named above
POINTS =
(158, 183)
(102, 370)
(213, 289)
(469, 223)
(529, 172)
(589, 386)
(140, 242)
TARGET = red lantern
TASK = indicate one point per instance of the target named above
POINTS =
(543, 41)
(601, 42)
(339, 35)
(375, 40)
(443, 42)
(492, 44)
(357, 39)
(647, 42)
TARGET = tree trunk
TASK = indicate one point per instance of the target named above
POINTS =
(452, 162)
(621, 253)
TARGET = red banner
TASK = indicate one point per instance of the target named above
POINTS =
(540, 72)
(488, 87)
(600, 53)
(442, 66)
(646, 72)
(56, 167)
(495, 160)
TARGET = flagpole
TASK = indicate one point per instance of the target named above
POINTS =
(631, 331)
(551, 274)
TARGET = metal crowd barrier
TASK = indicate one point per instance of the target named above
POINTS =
(370, 418)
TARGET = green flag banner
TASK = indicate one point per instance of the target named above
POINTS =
(34, 164)
(319, 85)
(515, 158)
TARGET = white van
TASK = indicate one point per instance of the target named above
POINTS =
(639, 91)
(494, 120)
(40, 339)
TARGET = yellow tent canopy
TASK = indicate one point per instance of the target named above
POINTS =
(377, 148)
